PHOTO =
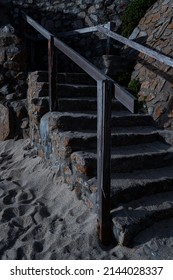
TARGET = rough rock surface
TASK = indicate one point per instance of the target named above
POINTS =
(12, 79)
(4, 122)
(155, 30)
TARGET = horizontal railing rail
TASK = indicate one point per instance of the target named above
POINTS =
(82, 30)
(140, 48)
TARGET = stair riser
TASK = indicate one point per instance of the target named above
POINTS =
(77, 123)
(78, 78)
(66, 91)
(77, 144)
(138, 191)
(90, 122)
(69, 105)
(133, 139)
(76, 105)
(131, 120)
(124, 236)
(139, 162)
(130, 164)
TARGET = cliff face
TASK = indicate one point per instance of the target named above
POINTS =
(156, 78)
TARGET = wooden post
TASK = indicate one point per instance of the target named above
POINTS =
(52, 74)
(104, 97)
(110, 27)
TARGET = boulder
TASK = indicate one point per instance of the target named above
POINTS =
(6, 123)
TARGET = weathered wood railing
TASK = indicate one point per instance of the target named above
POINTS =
(106, 87)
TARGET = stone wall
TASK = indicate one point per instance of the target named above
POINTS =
(60, 15)
(13, 105)
(155, 30)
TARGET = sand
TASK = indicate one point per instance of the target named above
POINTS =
(41, 217)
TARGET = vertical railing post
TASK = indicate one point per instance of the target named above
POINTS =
(52, 74)
(104, 97)
(110, 26)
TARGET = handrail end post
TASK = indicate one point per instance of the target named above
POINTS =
(104, 232)
(104, 98)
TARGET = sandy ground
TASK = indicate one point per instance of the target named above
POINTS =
(41, 218)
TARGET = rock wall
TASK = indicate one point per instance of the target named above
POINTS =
(60, 15)
(155, 30)
(13, 113)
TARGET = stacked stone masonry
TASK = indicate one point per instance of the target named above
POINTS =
(58, 16)
(13, 113)
(155, 30)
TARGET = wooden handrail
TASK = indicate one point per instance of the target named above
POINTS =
(82, 30)
(105, 89)
(158, 56)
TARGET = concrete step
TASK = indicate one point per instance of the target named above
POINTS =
(135, 216)
(64, 78)
(85, 104)
(75, 78)
(85, 140)
(75, 90)
(128, 158)
(141, 156)
(88, 120)
(133, 185)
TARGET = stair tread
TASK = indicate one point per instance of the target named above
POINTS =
(129, 178)
(132, 185)
(117, 114)
(136, 215)
(77, 85)
(125, 130)
(88, 134)
(156, 147)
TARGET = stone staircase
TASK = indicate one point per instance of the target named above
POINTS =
(142, 162)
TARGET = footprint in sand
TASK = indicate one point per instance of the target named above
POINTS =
(25, 197)
(8, 214)
(4, 157)
(43, 211)
(1, 192)
(11, 212)
(10, 198)
(38, 246)
(81, 218)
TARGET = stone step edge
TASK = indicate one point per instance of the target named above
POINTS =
(128, 222)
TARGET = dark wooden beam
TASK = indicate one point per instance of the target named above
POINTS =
(81, 31)
(52, 74)
(104, 98)
(126, 98)
(158, 56)
(37, 26)
(79, 60)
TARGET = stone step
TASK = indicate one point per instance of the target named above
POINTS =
(128, 158)
(64, 78)
(75, 90)
(135, 216)
(88, 140)
(75, 78)
(85, 104)
(88, 120)
(133, 185)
